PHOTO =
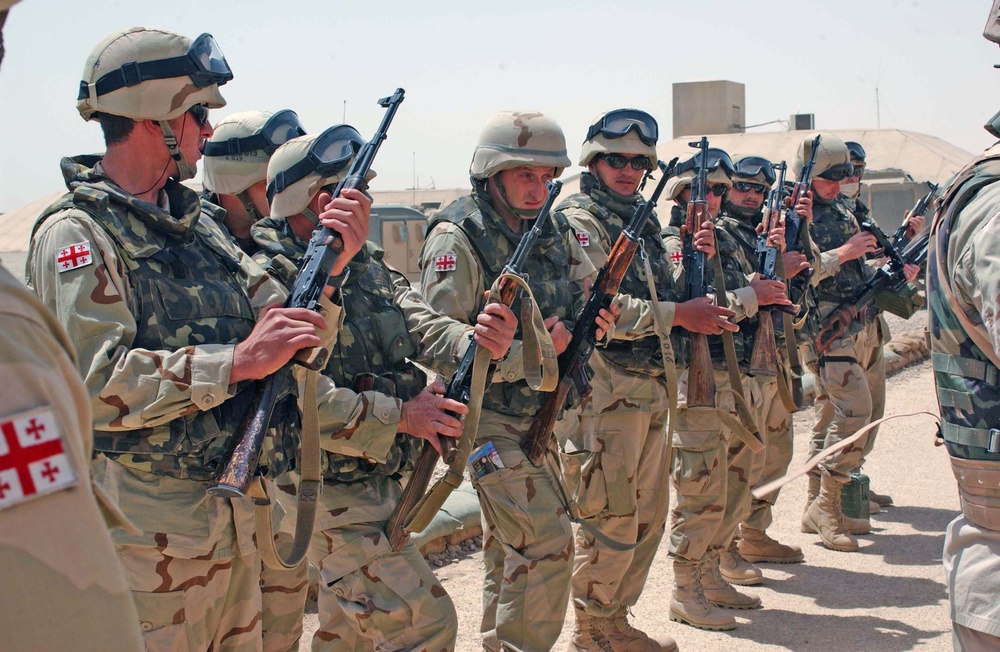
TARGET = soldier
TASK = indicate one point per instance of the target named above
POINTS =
(371, 597)
(163, 312)
(712, 468)
(962, 298)
(852, 365)
(63, 582)
(622, 426)
(527, 539)
(752, 180)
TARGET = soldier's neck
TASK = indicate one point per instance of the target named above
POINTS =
(135, 172)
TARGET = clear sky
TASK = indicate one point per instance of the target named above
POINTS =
(461, 62)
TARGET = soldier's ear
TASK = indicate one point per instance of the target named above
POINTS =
(320, 200)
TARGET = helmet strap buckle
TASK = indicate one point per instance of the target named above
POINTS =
(130, 74)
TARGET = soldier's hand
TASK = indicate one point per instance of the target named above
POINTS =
(560, 334)
(701, 315)
(911, 271)
(859, 245)
(349, 215)
(704, 239)
(495, 328)
(803, 207)
(769, 293)
(278, 335)
(605, 319)
(425, 416)
(914, 225)
(776, 237)
(795, 263)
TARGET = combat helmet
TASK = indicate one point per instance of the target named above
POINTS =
(833, 159)
(622, 131)
(236, 155)
(755, 169)
(514, 138)
(720, 170)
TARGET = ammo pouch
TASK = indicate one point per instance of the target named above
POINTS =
(979, 491)
(854, 497)
(903, 302)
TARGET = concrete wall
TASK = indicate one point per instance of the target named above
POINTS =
(709, 107)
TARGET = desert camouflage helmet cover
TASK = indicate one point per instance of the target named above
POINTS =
(992, 30)
(832, 152)
(683, 180)
(514, 138)
(228, 175)
(630, 144)
(153, 99)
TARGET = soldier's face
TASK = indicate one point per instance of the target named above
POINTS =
(714, 201)
(751, 200)
(826, 189)
(525, 186)
(624, 181)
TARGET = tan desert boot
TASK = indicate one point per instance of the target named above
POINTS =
(720, 592)
(738, 570)
(756, 546)
(688, 604)
(811, 492)
(825, 518)
(883, 500)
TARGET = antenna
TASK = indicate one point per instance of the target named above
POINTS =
(344, 119)
(414, 178)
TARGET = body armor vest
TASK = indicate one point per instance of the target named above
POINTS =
(832, 226)
(547, 272)
(372, 347)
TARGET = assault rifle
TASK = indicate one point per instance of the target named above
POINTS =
(240, 463)
(461, 382)
(899, 237)
(573, 361)
(887, 289)
(796, 229)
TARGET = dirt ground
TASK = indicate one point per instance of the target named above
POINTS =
(888, 597)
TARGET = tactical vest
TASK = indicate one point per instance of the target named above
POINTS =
(644, 355)
(832, 226)
(187, 289)
(966, 377)
(547, 271)
(372, 347)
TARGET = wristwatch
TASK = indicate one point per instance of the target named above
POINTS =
(338, 281)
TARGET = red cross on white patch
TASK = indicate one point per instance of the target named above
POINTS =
(445, 263)
(73, 256)
(676, 257)
(583, 237)
(32, 459)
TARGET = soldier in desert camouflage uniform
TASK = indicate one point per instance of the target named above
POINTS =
(622, 429)
(379, 411)
(712, 469)
(162, 310)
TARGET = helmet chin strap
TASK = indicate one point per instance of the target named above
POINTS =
(519, 212)
(185, 170)
(248, 206)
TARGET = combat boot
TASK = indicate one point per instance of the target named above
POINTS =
(873, 507)
(825, 518)
(738, 570)
(757, 546)
(627, 638)
(853, 525)
(883, 500)
(720, 592)
(688, 603)
(591, 634)
(811, 492)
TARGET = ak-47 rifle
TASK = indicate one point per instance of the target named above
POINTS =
(764, 358)
(573, 361)
(887, 289)
(237, 469)
(461, 382)
(796, 229)
(899, 239)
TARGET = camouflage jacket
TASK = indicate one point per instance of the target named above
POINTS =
(461, 258)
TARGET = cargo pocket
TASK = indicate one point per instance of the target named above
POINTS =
(497, 492)
(598, 480)
(696, 449)
(162, 620)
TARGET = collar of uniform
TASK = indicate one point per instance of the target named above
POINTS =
(275, 238)
(490, 214)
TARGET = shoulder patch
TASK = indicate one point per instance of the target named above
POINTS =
(676, 257)
(445, 263)
(73, 256)
(33, 461)
(583, 237)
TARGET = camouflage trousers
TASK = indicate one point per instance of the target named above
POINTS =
(712, 472)
(775, 423)
(371, 598)
(194, 604)
(527, 545)
(627, 456)
(850, 381)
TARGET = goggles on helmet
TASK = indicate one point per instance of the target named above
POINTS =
(716, 158)
(751, 166)
(617, 123)
(856, 150)
(331, 152)
(204, 63)
(278, 130)
(838, 172)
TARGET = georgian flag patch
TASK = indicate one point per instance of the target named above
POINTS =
(73, 256)
(445, 263)
(584, 238)
(676, 257)
(32, 459)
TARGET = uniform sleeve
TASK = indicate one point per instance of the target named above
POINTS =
(443, 340)
(356, 424)
(976, 277)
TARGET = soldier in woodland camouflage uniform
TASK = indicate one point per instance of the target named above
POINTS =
(162, 308)
(852, 365)
(377, 412)
(963, 291)
(622, 426)
(527, 541)
(752, 180)
(713, 470)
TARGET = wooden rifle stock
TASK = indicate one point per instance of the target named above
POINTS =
(419, 479)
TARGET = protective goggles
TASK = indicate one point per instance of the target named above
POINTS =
(716, 158)
(751, 166)
(619, 161)
(856, 150)
(330, 153)
(617, 123)
(749, 186)
(278, 130)
(838, 172)
(204, 63)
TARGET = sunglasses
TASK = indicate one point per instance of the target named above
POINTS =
(718, 189)
(619, 161)
(200, 114)
(746, 186)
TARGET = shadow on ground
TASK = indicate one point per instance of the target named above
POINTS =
(837, 588)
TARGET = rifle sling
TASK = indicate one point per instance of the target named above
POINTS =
(541, 372)
(310, 486)
(791, 350)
